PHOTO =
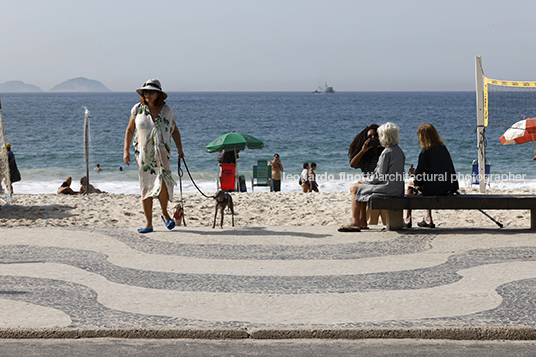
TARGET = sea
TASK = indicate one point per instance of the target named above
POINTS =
(46, 132)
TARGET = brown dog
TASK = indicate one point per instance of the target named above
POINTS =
(223, 200)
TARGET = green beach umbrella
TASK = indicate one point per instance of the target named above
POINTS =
(234, 141)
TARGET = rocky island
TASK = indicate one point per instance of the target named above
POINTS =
(80, 84)
(18, 87)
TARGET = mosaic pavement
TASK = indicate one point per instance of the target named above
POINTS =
(271, 278)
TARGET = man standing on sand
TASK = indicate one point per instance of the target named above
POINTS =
(13, 170)
(277, 167)
(312, 178)
(305, 178)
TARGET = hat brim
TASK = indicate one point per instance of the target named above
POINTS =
(140, 91)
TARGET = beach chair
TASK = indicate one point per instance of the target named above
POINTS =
(262, 174)
(227, 180)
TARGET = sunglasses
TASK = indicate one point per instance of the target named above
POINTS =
(150, 92)
(372, 136)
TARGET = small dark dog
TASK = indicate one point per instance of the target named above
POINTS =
(223, 200)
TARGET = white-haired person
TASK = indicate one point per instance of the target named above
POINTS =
(386, 180)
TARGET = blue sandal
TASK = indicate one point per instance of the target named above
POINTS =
(170, 225)
(145, 230)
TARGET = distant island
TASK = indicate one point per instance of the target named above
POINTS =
(19, 87)
(80, 84)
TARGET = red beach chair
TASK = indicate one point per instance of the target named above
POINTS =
(228, 177)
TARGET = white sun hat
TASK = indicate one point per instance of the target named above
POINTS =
(151, 84)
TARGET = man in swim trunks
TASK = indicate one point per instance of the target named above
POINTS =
(277, 167)
(65, 187)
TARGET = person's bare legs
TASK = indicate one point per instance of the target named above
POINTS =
(407, 219)
(147, 205)
(362, 214)
(409, 191)
(67, 190)
(163, 197)
(428, 218)
(353, 191)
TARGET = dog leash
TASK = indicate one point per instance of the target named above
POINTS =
(181, 173)
(179, 211)
(191, 178)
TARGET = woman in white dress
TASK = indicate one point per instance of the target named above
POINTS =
(152, 124)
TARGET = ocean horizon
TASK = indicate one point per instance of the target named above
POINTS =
(46, 134)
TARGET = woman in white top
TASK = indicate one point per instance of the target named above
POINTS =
(305, 177)
(386, 180)
(154, 123)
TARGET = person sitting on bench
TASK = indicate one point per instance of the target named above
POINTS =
(386, 180)
(364, 153)
(435, 174)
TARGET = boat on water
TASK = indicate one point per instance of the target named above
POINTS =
(325, 90)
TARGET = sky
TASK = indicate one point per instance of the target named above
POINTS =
(261, 45)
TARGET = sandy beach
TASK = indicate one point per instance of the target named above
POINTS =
(284, 271)
(251, 210)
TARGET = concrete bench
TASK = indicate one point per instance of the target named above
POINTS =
(396, 205)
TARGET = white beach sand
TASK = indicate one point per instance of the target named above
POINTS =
(252, 209)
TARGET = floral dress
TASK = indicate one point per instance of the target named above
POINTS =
(152, 147)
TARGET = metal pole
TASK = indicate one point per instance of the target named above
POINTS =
(480, 126)
(86, 143)
(493, 219)
(4, 160)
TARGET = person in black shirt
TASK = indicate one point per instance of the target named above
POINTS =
(435, 174)
(228, 157)
(365, 150)
(13, 170)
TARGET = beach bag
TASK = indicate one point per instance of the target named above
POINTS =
(300, 182)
